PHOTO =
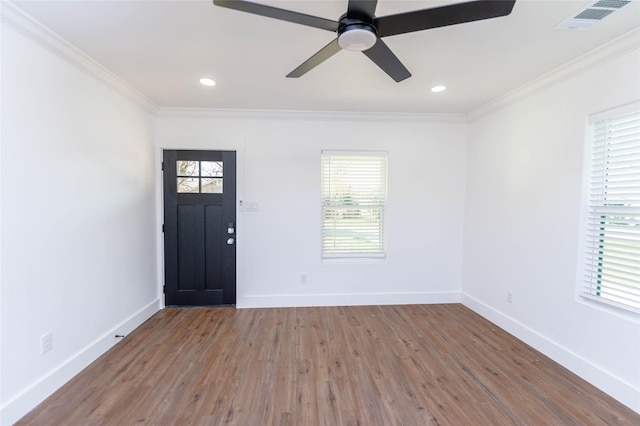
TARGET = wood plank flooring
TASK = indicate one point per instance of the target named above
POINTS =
(373, 365)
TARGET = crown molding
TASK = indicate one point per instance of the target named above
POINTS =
(310, 115)
(616, 48)
(12, 16)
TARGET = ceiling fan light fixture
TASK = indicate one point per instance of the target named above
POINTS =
(357, 38)
(207, 82)
(438, 89)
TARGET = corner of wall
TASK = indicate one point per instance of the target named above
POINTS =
(618, 388)
(600, 372)
(21, 404)
(612, 50)
(13, 16)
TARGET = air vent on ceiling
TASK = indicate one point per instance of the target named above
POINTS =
(592, 14)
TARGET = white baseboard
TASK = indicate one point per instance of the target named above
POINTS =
(306, 300)
(617, 388)
(21, 404)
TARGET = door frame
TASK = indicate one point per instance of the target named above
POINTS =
(239, 150)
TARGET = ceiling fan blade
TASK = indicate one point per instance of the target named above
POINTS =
(360, 8)
(385, 59)
(281, 14)
(442, 16)
(322, 55)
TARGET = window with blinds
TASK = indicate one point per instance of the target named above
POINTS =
(354, 197)
(612, 268)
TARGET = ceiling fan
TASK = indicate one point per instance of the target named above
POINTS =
(360, 30)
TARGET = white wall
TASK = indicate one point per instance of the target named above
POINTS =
(78, 236)
(80, 205)
(523, 219)
(279, 168)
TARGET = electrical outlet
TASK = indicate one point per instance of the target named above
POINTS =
(510, 296)
(303, 278)
(46, 343)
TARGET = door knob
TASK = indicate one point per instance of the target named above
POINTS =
(230, 241)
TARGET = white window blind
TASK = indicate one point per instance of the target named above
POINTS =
(354, 196)
(612, 272)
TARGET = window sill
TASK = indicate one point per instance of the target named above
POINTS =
(354, 260)
(609, 305)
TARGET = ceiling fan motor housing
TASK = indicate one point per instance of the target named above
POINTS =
(356, 34)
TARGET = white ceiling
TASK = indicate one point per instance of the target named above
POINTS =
(162, 49)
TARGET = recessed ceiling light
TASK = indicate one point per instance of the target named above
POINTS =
(207, 82)
(437, 89)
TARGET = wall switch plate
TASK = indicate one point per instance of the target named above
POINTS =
(510, 296)
(46, 343)
(251, 206)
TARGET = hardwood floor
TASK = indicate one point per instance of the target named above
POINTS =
(373, 365)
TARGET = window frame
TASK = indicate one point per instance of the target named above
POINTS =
(354, 255)
(590, 277)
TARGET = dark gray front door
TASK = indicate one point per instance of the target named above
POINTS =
(199, 227)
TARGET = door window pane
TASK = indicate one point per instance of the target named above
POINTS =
(188, 168)
(211, 185)
(211, 168)
(188, 185)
